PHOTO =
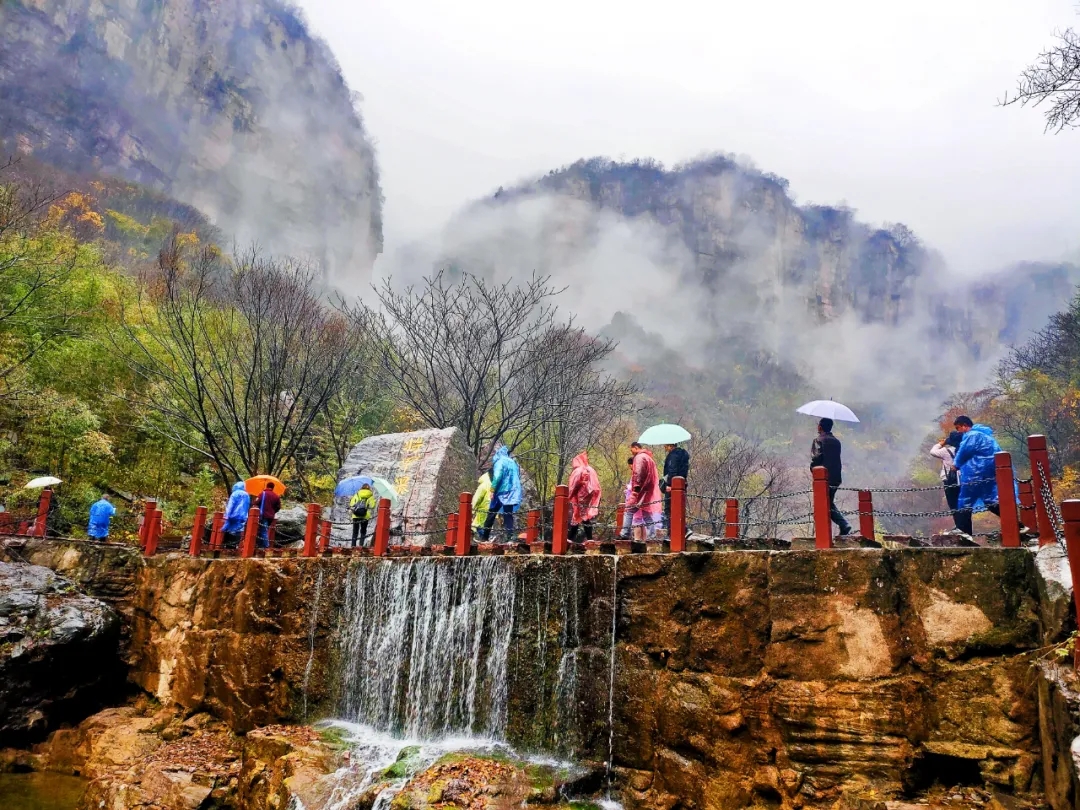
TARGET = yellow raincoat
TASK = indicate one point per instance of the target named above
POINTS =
(363, 504)
(481, 499)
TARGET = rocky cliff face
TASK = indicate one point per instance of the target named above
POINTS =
(49, 633)
(229, 106)
(744, 233)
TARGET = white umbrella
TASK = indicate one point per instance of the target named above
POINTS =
(41, 483)
(826, 408)
(664, 434)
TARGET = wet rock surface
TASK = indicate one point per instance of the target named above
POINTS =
(145, 756)
(58, 652)
(739, 679)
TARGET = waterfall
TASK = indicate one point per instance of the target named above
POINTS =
(312, 625)
(425, 646)
(611, 666)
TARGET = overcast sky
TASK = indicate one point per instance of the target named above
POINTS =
(889, 107)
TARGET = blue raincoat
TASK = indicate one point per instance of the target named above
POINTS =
(505, 479)
(236, 510)
(100, 514)
(975, 462)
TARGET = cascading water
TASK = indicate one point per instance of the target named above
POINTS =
(425, 646)
(441, 654)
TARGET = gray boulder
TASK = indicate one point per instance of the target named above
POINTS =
(59, 652)
(429, 469)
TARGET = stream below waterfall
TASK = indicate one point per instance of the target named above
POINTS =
(478, 656)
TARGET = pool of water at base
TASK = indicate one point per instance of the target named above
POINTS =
(40, 791)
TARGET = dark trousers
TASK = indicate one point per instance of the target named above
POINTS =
(496, 508)
(961, 517)
(232, 539)
(263, 540)
(834, 513)
(585, 525)
(667, 507)
(359, 529)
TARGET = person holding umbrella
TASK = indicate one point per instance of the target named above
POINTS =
(825, 452)
(269, 506)
(362, 507)
(676, 465)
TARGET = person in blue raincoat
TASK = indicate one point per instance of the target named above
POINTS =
(236, 515)
(974, 462)
(505, 493)
(100, 515)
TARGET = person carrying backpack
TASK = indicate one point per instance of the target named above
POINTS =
(362, 507)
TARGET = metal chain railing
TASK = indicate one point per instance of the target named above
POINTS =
(1057, 523)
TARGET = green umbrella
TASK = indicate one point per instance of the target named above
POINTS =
(384, 489)
(664, 434)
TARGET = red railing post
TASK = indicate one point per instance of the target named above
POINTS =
(195, 549)
(382, 528)
(677, 529)
(325, 528)
(311, 528)
(148, 517)
(620, 516)
(1028, 514)
(251, 532)
(1070, 514)
(153, 534)
(560, 520)
(464, 525)
(866, 514)
(216, 533)
(731, 519)
(42, 512)
(532, 526)
(822, 521)
(1010, 518)
(1040, 482)
(451, 529)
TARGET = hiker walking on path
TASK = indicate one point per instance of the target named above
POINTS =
(100, 515)
(978, 482)
(505, 493)
(481, 499)
(236, 514)
(269, 506)
(628, 515)
(584, 496)
(825, 452)
(646, 503)
(362, 507)
(945, 452)
(676, 465)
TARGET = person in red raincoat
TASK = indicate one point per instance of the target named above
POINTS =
(584, 496)
(647, 504)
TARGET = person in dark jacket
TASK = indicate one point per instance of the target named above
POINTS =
(676, 464)
(825, 452)
(269, 506)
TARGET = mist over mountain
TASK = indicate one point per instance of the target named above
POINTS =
(230, 106)
(732, 302)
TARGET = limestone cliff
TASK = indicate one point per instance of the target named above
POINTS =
(743, 232)
(230, 106)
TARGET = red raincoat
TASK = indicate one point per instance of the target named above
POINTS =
(584, 490)
(645, 482)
